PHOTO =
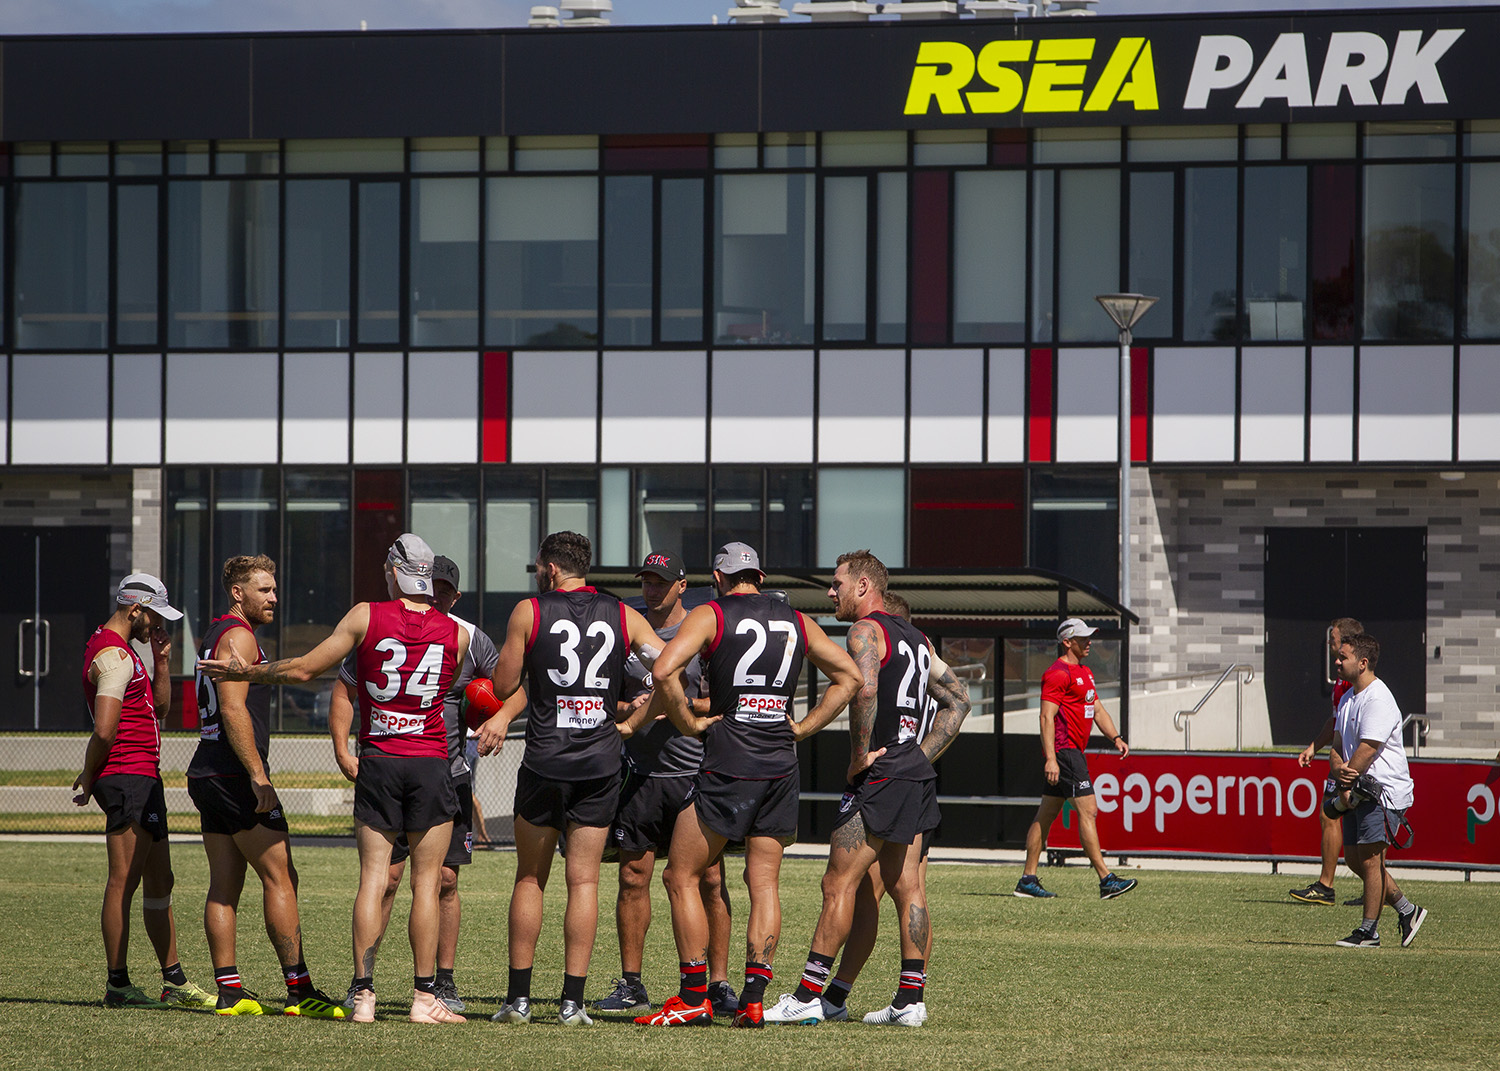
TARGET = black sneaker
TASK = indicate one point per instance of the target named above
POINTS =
(626, 997)
(1111, 886)
(1360, 938)
(1030, 888)
(1410, 924)
(722, 996)
(1355, 901)
(1316, 893)
(446, 990)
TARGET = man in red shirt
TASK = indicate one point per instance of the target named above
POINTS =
(122, 773)
(1070, 702)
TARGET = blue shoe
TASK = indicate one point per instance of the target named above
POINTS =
(722, 997)
(1111, 886)
(626, 997)
(1030, 887)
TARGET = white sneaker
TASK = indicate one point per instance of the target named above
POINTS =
(911, 1015)
(519, 1012)
(791, 1010)
(572, 1014)
(833, 1014)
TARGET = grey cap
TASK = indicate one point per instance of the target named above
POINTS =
(1074, 629)
(412, 560)
(143, 589)
(737, 558)
(445, 568)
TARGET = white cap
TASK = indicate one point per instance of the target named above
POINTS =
(1073, 629)
(412, 560)
(143, 589)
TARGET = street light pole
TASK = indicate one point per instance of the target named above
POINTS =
(1125, 310)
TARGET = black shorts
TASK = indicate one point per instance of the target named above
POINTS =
(132, 798)
(1370, 823)
(1072, 776)
(461, 844)
(227, 805)
(893, 810)
(396, 793)
(553, 804)
(736, 807)
(648, 812)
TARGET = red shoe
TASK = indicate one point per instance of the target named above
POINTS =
(750, 1017)
(677, 1012)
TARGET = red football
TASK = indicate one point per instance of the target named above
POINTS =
(482, 702)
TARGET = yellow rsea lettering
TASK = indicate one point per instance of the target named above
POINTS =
(946, 88)
(1008, 85)
(1040, 94)
(1132, 56)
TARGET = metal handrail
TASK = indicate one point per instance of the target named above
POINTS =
(1183, 726)
(1416, 741)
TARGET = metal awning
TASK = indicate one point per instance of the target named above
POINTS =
(950, 594)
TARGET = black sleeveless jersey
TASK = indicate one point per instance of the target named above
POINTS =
(214, 757)
(901, 714)
(754, 664)
(575, 662)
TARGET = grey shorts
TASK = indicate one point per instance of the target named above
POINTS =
(1370, 823)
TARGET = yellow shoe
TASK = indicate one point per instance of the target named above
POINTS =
(247, 1004)
(316, 1005)
(188, 997)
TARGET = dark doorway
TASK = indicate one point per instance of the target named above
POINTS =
(1313, 575)
(43, 627)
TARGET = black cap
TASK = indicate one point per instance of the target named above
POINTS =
(445, 568)
(663, 564)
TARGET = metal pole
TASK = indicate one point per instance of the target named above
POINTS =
(36, 642)
(1125, 467)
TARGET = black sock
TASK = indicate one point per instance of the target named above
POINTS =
(367, 982)
(814, 976)
(445, 974)
(837, 992)
(757, 977)
(174, 975)
(519, 985)
(573, 987)
(119, 977)
(693, 989)
(632, 978)
(913, 982)
(298, 981)
(425, 983)
(228, 981)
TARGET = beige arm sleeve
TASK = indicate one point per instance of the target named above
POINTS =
(111, 672)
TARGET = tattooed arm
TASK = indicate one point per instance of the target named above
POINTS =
(345, 637)
(863, 643)
(952, 697)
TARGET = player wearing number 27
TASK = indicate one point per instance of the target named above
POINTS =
(407, 652)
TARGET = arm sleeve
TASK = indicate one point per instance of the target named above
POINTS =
(346, 671)
(484, 654)
(1381, 720)
(1054, 687)
(112, 673)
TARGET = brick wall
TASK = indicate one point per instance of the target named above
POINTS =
(69, 499)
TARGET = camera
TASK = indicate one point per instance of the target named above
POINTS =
(1364, 788)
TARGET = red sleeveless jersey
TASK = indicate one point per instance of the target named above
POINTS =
(137, 745)
(404, 667)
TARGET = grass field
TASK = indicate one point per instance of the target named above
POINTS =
(1191, 970)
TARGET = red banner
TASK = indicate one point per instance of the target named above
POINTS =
(1264, 805)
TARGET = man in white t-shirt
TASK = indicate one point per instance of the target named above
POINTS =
(1367, 739)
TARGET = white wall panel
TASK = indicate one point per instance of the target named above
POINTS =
(135, 438)
(61, 411)
(655, 407)
(1406, 403)
(1273, 403)
(1193, 405)
(1007, 410)
(315, 408)
(442, 408)
(221, 408)
(947, 405)
(861, 405)
(1088, 404)
(1479, 403)
(554, 407)
(1331, 421)
(762, 406)
(379, 407)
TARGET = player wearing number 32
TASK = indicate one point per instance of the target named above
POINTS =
(572, 642)
(407, 652)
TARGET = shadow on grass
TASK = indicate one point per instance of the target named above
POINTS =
(68, 1003)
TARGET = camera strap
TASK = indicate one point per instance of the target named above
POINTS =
(1393, 828)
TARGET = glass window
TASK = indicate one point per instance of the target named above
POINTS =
(379, 263)
(1153, 241)
(512, 522)
(572, 503)
(790, 150)
(989, 261)
(1149, 144)
(1310, 141)
(1331, 257)
(890, 258)
(445, 261)
(1275, 251)
(542, 261)
(136, 265)
(497, 154)
(31, 159)
(222, 264)
(672, 512)
(846, 229)
(1075, 526)
(732, 151)
(1088, 256)
(864, 148)
(138, 158)
(1209, 254)
(763, 255)
(187, 157)
(968, 517)
(62, 265)
(614, 518)
(83, 158)
(323, 155)
(445, 154)
(789, 518)
(737, 510)
(1043, 254)
(681, 244)
(380, 506)
(1432, 137)
(245, 521)
(445, 512)
(862, 508)
(1263, 141)
(627, 260)
(312, 579)
(317, 263)
(186, 557)
(1482, 225)
(247, 158)
(1077, 145)
(930, 238)
(1409, 265)
(571, 153)
(1482, 137)
(946, 148)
